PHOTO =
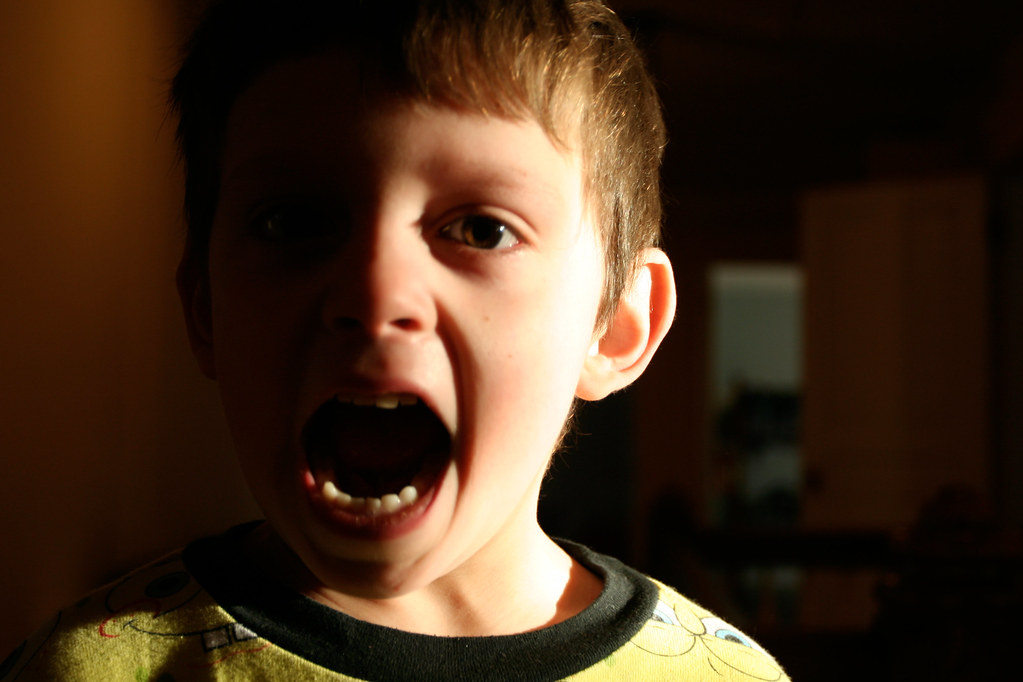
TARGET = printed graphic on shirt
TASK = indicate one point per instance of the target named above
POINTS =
(151, 602)
(162, 604)
(681, 628)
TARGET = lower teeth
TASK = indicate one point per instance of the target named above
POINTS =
(388, 504)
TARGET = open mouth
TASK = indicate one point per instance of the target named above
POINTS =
(376, 455)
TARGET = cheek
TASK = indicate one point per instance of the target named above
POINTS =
(543, 338)
(247, 349)
(255, 347)
(570, 301)
(259, 314)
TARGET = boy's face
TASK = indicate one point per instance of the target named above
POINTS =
(379, 251)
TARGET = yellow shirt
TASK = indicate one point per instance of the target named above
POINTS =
(207, 615)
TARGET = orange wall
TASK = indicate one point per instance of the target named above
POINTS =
(112, 441)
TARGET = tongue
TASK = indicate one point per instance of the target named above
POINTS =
(371, 451)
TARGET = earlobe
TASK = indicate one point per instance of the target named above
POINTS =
(194, 292)
(640, 322)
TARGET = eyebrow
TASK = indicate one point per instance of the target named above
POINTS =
(271, 168)
(484, 174)
(464, 179)
(274, 168)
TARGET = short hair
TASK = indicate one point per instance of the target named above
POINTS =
(571, 65)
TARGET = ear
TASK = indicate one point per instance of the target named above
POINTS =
(194, 292)
(642, 319)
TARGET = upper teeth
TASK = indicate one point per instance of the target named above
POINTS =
(387, 401)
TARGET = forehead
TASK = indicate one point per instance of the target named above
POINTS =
(365, 85)
(323, 116)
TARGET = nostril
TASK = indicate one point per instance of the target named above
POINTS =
(352, 324)
(406, 324)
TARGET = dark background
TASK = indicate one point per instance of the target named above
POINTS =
(878, 146)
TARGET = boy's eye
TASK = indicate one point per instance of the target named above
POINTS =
(480, 232)
(294, 223)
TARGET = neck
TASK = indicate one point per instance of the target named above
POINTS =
(487, 595)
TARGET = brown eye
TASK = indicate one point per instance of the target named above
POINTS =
(481, 232)
(294, 223)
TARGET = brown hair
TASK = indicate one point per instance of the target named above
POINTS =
(571, 65)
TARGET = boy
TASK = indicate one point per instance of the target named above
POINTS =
(418, 231)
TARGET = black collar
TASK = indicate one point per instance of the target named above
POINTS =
(352, 647)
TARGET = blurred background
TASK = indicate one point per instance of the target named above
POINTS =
(827, 450)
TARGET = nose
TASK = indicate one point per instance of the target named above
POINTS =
(380, 285)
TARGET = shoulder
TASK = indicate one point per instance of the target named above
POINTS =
(683, 635)
(679, 640)
(153, 618)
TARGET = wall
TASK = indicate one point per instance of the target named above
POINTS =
(897, 349)
(111, 439)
